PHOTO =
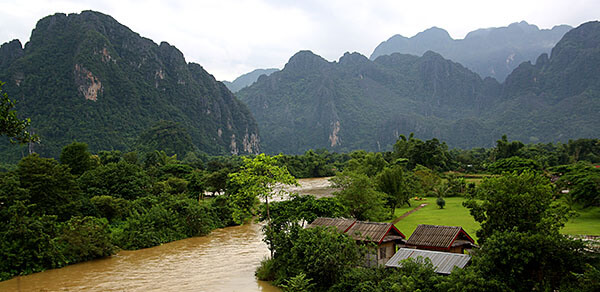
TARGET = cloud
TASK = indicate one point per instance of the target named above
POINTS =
(232, 37)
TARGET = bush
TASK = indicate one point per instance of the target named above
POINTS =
(86, 238)
(440, 202)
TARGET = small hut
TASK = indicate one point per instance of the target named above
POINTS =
(452, 239)
(385, 235)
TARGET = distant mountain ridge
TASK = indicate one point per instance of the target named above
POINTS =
(87, 77)
(357, 103)
(490, 52)
(247, 79)
(361, 104)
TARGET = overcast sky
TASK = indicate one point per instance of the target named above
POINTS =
(232, 37)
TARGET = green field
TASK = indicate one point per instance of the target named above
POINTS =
(454, 214)
(587, 222)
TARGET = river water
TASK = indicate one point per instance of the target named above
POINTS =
(224, 260)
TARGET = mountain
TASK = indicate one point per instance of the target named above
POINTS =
(490, 52)
(87, 77)
(357, 103)
(247, 79)
(361, 104)
(558, 97)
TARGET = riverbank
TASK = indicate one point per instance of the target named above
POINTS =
(224, 260)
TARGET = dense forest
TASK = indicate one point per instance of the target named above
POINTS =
(86, 206)
(87, 77)
(357, 103)
(73, 202)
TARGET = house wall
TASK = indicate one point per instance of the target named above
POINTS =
(385, 252)
(456, 249)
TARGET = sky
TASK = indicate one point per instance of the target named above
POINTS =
(232, 37)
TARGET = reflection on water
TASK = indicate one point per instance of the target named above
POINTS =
(225, 260)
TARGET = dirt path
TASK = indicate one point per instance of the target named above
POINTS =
(408, 213)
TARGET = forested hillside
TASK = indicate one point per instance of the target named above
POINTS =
(86, 77)
(356, 103)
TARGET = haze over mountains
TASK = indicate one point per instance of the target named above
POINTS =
(489, 52)
(247, 79)
(492, 52)
(86, 77)
(357, 103)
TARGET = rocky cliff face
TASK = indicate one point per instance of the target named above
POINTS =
(361, 104)
(356, 103)
(87, 77)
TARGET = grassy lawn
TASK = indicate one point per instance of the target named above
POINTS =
(454, 214)
(588, 222)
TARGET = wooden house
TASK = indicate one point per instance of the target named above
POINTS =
(386, 236)
(452, 239)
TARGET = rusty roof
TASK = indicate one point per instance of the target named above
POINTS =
(361, 230)
(443, 262)
(437, 236)
(342, 224)
(373, 231)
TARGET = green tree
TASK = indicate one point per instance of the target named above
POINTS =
(505, 149)
(110, 208)
(77, 157)
(10, 125)
(431, 153)
(514, 163)
(359, 196)
(196, 184)
(50, 185)
(86, 238)
(428, 179)
(583, 182)
(398, 184)
(440, 202)
(519, 202)
(298, 283)
(323, 254)
(259, 177)
(367, 163)
(119, 180)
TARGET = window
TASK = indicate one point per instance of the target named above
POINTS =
(382, 252)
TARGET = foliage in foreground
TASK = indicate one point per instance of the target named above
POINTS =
(87, 207)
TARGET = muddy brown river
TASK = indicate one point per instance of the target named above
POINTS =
(224, 260)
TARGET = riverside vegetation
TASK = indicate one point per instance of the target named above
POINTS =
(519, 213)
(90, 205)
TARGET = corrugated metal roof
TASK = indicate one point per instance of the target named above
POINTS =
(443, 262)
(436, 236)
(369, 231)
(342, 224)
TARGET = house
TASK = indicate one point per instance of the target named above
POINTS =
(452, 239)
(341, 224)
(385, 236)
(443, 262)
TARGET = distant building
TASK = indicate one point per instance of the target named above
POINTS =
(385, 235)
(443, 262)
(440, 238)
